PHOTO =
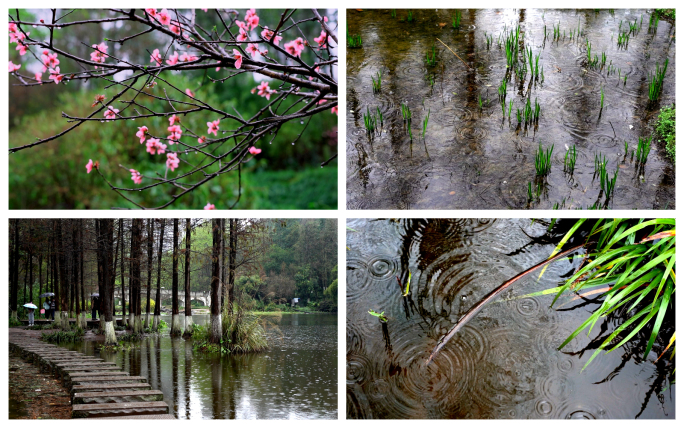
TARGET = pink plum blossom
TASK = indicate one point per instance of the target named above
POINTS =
(253, 150)
(264, 90)
(173, 59)
(188, 57)
(213, 127)
(176, 132)
(13, 67)
(174, 119)
(49, 60)
(334, 110)
(190, 93)
(172, 161)
(89, 166)
(100, 53)
(156, 57)
(110, 113)
(151, 12)
(322, 39)
(253, 49)
(209, 206)
(175, 29)
(39, 77)
(164, 17)
(242, 37)
(252, 18)
(136, 176)
(21, 48)
(142, 130)
(238, 58)
(54, 75)
(295, 47)
(266, 34)
(154, 147)
(202, 139)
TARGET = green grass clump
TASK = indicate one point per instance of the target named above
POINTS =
(607, 183)
(370, 122)
(406, 113)
(533, 195)
(570, 159)
(630, 269)
(242, 333)
(354, 41)
(425, 123)
(61, 336)
(643, 149)
(410, 17)
(655, 86)
(542, 160)
(377, 84)
(431, 61)
(456, 20)
(665, 129)
(666, 13)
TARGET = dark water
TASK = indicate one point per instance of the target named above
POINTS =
(295, 379)
(504, 363)
(472, 159)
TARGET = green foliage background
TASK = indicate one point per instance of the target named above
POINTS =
(52, 175)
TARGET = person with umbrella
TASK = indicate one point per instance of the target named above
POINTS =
(96, 305)
(53, 306)
(46, 304)
(31, 307)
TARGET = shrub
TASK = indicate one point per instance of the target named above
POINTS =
(665, 128)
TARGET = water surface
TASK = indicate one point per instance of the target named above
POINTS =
(295, 379)
(474, 158)
(504, 363)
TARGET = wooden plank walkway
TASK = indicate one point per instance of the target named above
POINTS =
(99, 389)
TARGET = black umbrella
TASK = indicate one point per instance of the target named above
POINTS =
(46, 295)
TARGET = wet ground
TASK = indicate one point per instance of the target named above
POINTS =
(504, 363)
(479, 158)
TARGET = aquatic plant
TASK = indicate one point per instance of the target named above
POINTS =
(665, 129)
(379, 115)
(556, 32)
(512, 46)
(510, 107)
(488, 40)
(431, 61)
(377, 84)
(410, 17)
(502, 88)
(643, 149)
(354, 41)
(393, 13)
(381, 316)
(630, 267)
(425, 123)
(599, 160)
(406, 113)
(479, 101)
(533, 195)
(405, 291)
(655, 86)
(370, 121)
(623, 39)
(534, 66)
(607, 184)
(542, 160)
(570, 159)
(601, 97)
(456, 20)
(653, 22)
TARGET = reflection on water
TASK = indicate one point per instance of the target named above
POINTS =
(473, 158)
(295, 379)
(504, 363)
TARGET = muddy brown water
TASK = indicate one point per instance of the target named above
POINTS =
(476, 159)
(504, 363)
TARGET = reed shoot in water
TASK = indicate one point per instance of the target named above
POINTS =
(653, 22)
(431, 61)
(370, 121)
(510, 107)
(570, 159)
(379, 115)
(502, 88)
(655, 86)
(607, 184)
(533, 196)
(406, 113)
(377, 84)
(456, 20)
(599, 162)
(380, 316)
(393, 13)
(488, 40)
(354, 40)
(643, 149)
(601, 97)
(425, 123)
(410, 17)
(542, 161)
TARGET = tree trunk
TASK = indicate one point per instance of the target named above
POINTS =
(231, 262)
(175, 318)
(123, 288)
(30, 268)
(150, 239)
(157, 304)
(224, 270)
(188, 305)
(216, 327)
(136, 252)
(14, 276)
(107, 241)
(63, 286)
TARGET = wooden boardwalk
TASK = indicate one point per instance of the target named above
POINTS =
(98, 389)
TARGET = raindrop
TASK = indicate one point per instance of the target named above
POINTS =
(293, 144)
(464, 297)
(301, 122)
(132, 118)
(102, 121)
